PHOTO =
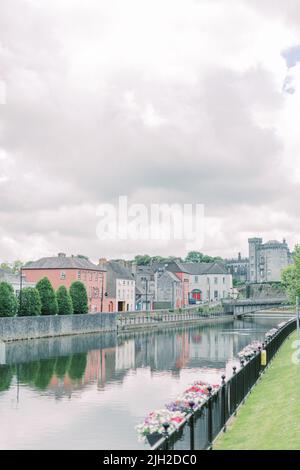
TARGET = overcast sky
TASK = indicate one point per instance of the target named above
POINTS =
(170, 101)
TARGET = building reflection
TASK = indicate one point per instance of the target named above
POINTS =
(166, 350)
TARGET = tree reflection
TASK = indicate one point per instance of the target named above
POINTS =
(62, 365)
(45, 373)
(28, 372)
(6, 375)
(77, 366)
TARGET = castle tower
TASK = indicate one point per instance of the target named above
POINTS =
(254, 247)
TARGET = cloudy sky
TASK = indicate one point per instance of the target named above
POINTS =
(172, 101)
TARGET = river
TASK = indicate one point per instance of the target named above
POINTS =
(90, 391)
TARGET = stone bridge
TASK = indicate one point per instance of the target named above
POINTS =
(238, 308)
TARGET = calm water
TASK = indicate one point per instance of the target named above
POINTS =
(89, 392)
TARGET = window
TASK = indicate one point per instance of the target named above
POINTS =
(224, 280)
(216, 280)
(216, 294)
(62, 275)
(79, 275)
(91, 276)
(196, 278)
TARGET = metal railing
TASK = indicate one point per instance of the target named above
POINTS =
(202, 425)
(156, 317)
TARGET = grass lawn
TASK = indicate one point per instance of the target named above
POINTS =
(270, 418)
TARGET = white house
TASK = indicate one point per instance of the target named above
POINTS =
(120, 294)
(208, 282)
(15, 280)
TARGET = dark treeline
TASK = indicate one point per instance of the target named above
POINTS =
(38, 374)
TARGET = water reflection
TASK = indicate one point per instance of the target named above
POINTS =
(103, 385)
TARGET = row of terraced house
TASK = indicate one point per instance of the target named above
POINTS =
(120, 286)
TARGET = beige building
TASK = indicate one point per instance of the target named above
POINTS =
(267, 260)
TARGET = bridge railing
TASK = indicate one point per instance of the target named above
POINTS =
(202, 425)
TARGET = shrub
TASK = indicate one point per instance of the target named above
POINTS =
(64, 301)
(48, 297)
(8, 300)
(79, 297)
(30, 302)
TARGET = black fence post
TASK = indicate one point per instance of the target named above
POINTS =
(166, 435)
(209, 419)
(192, 426)
(235, 390)
(243, 379)
(223, 404)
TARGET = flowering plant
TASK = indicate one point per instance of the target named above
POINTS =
(271, 333)
(180, 404)
(153, 423)
(280, 325)
(249, 350)
(175, 411)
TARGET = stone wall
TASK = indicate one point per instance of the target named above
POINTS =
(19, 328)
(15, 328)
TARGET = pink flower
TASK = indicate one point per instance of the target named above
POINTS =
(177, 419)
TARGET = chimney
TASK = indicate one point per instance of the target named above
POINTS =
(102, 261)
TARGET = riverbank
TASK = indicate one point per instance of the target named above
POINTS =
(23, 328)
(270, 418)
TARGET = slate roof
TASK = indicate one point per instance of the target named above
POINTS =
(115, 271)
(173, 277)
(64, 262)
(215, 267)
(172, 266)
(8, 277)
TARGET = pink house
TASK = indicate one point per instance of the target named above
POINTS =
(62, 271)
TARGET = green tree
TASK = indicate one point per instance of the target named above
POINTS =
(13, 268)
(8, 300)
(290, 277)
(198, 257)
(30, 302)
(142, 260)
(64, 301)
(6, 267)
(16, 266)
(79, 297)
(48, 297)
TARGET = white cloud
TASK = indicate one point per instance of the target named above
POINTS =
(156, 100)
